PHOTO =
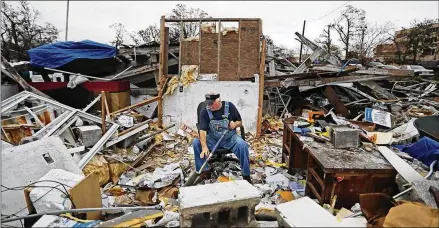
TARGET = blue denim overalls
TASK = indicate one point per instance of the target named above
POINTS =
(231, 141)
(217, 127)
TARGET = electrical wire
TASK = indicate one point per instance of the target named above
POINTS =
(17, 188)
(15, 214)
(329, 12)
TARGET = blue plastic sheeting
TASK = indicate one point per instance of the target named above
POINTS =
(58, 54)
(425, 150)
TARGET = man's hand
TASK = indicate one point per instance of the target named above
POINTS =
(232, 125)
(204, 152)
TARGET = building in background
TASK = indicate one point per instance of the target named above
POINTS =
(387, 52)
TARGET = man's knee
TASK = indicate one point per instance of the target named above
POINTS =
(240, 143)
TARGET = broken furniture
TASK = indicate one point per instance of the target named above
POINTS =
(292, 153)
(232, 203)
(341, 172)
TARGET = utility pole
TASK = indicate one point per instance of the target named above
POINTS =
(329, 38)
(363, 30)
(301, 44)
(67, 19)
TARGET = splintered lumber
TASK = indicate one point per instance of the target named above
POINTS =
(103, 112)
(261, 89)
(145, 102)
(335, 100)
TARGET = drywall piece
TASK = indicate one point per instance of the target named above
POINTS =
(181, 107)
(405, 132)
(216, 198)
(304, 212)
(6, 145)
(404, 169)
(24, 164)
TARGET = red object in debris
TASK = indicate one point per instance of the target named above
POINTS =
(113, 86)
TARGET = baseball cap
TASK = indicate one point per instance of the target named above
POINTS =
(210, 98)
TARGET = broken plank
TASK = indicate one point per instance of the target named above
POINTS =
(376, 88)
(87, 194)
(404, 169)
(145, 102)
(137, 129)
(335, 100)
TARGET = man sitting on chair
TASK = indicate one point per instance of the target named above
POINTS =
(217, 117)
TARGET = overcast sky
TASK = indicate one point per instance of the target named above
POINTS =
(280, 19)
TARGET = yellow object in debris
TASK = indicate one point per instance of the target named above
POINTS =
(116, 170)
(285, 195)
(189, 74)
(135, 222)
(223, 179)
(275, 164)
(98, 165)
(116, 191)
(171, 154)
(326, 134)
(172, 85)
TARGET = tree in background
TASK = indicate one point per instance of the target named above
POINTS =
(120, 30)
(326, 42)
(181, 11)
(368, 36)
(348, 22)
(411, 42)
(21, 31)
(190, 29)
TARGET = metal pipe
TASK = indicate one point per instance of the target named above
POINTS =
(82, 210)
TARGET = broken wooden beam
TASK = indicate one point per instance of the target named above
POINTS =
(145, 102)
(335, 100)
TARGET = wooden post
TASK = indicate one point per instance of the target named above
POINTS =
(161, 69)
(103, 100)
(261, 89)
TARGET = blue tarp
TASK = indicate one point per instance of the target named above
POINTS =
(58, 54)
(425, 150)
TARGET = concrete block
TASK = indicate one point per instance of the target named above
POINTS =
(304, 212)
(345, 137)
(89, 135)
(229, 204)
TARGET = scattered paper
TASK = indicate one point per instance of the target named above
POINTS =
(378, 117)
(381, 138)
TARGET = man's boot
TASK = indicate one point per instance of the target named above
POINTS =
(247, 178)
